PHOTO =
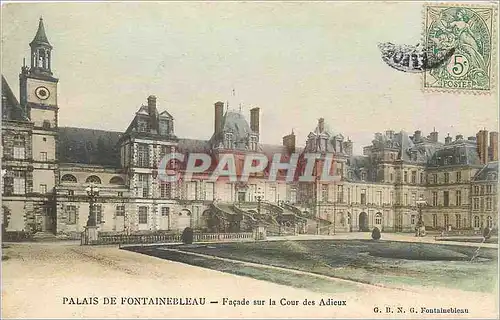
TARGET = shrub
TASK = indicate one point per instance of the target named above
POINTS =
(486, 233)
(376, 234)
(187, 236)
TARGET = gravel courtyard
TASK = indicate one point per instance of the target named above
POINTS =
(37, 276)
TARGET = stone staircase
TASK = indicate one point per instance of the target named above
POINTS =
(43, 236)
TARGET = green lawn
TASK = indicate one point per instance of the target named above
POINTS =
(375, 262)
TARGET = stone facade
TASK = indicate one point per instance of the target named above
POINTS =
(46, 169)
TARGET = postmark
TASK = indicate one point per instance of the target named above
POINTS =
(470, 31)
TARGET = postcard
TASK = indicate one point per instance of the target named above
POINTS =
(233, 159)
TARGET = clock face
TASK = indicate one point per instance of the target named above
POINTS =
(42, 93)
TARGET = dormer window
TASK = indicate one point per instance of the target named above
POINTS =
(228, 140)
(363, 176)
(165, 127)
(253, 143)
(143, 125)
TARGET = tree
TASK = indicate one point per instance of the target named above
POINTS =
(375, 233)
(187, 236)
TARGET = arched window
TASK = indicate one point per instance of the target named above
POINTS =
(116, 180)
(93, 179)
(378, 218)
(489, 222)
(476, 222)
(68, 178)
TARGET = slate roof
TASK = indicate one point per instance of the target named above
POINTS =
(488, 172)
(194, 146)
(461, 152)
(40, 37)
(88, 146)
(11, 109)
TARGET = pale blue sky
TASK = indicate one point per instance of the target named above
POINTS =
(296, 61)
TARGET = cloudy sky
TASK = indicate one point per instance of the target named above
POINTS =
(296, 61)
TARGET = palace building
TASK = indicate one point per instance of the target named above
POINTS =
(46, 169)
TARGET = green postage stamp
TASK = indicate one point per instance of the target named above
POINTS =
(469, 30)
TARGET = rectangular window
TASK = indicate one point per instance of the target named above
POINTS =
(446, 177)
(434, 198)
(98, 213)
(482, 190)
(446, 220)
(414, 177)
(434, 220)
(458, 221)
(19, 182)
(19, 147)
(43, 156)
(405, 199)
(340, 194)
(488, 203)
(414, 199)
(324, 192)
(43, 188)
(165, 211)
(209, 191)
(71, 192)
(120, 211)
(166, 190)
(71, 212)
(142, 185)
(142, 155)
(405, 176)
(143, 215)
(476, 190)
(363, 196)
(435, 178)
(475, 203)
(379, 197)
(422, 178)
(458, 198)
(446, 198)
(192, 190)
(489, 188)
(459, 176)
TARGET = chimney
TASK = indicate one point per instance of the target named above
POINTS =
(494, 146)
(482, 146)
(151, 104)
(219, 113)
(289, 142)
(321, 125)
(448, 139)
(434, 136)
(152, 113)
(254, 119)
(417, 136)
(459, 137)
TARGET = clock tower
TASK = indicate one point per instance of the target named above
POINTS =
(38, 87)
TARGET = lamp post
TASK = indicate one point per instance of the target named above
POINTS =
(420, 223)
(92, 193)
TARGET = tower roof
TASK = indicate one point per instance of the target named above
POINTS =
(40, 37)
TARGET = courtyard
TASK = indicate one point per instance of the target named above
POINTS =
(38, 276)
